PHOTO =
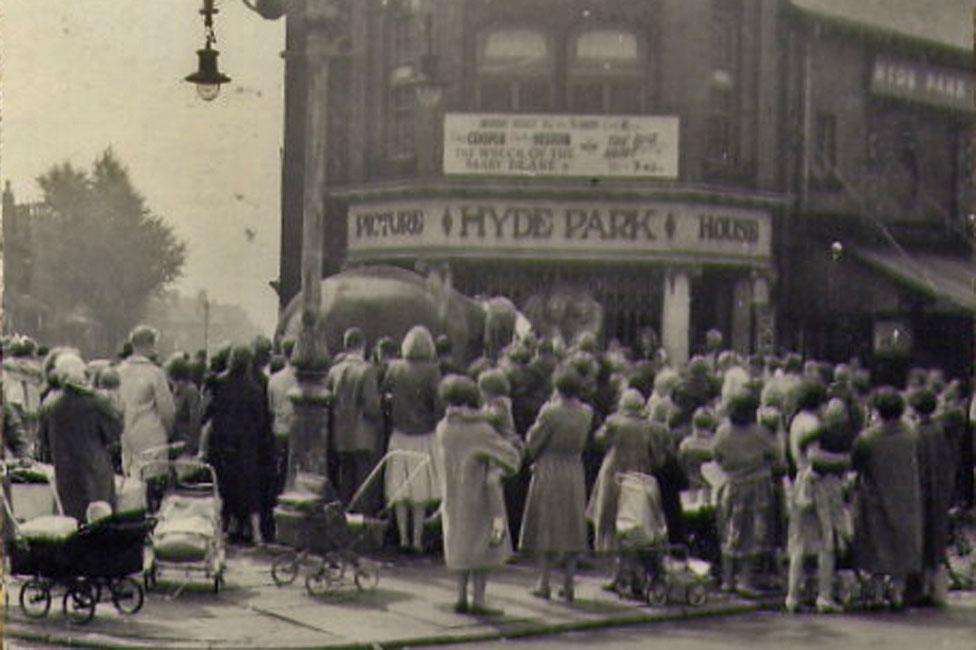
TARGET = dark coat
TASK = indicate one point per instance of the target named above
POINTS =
(239, 441)
(936, 467)
(357, 419)
(888, 513)
(77, 430)
(189, 412)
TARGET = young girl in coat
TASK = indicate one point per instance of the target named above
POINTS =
(497, 408)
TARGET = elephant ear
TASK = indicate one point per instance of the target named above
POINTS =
(565, 313)
(500, 319)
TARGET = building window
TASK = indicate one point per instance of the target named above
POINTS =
(515, 71)
(825, 139)
(401, 100)
(722, 101)
(908, 157)
(402, 123)
(605, 71)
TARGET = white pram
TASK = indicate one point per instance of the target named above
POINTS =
(660, 572)
(188, 538)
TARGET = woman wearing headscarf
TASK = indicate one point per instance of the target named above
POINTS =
(239, 419)
(473, 456)
(633, 444)
(411, 383)
(77, 430)
(554, 522)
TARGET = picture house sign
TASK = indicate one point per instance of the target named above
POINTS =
(559, 230)
(561, 145)
(939, 86)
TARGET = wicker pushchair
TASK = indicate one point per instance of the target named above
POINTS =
(330, 538)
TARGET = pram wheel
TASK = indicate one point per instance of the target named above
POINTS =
(697, 595)
(327, 576)
(656, 593)
(367, 576)
(127, 595)
(284, 569)
(35, 598)
(79, 603)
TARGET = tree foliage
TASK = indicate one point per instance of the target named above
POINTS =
(101, 254)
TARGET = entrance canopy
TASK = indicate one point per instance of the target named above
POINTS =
(945, 277)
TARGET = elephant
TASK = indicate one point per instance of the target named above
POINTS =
(388, 301)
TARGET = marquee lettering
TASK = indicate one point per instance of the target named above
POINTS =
(646, 227)
(724, 228)
(383, 224)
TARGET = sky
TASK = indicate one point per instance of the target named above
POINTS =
(79, 77)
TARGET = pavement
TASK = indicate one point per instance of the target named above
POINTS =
(412, 605)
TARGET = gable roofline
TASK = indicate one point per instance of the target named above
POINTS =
(944, 50)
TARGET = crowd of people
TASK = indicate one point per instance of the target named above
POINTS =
(759, 464)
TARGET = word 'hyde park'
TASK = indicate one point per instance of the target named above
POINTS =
(540, 222)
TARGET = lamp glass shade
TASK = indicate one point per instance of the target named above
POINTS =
(208, 92)
(207, 77)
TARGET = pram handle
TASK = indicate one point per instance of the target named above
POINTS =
(149, 456)
(371, 477)
(47, 470)
(176, 465)
(619, 477)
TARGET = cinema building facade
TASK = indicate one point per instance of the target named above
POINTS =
(645, 157)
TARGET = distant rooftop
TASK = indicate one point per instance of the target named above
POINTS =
(945, 22)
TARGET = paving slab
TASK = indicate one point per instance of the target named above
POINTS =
(411, 605)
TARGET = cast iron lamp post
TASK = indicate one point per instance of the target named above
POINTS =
(208, 77)
(326, 22)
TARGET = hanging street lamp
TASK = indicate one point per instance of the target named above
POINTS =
(208, 77)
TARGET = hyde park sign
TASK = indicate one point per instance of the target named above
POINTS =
(553, 230)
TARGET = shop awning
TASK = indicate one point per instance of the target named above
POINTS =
(945, 277)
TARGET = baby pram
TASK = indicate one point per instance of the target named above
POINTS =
(660, 572)
(87, 561)
(187, 539)
(328, 538)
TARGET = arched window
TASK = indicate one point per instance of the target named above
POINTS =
(402, 113)
(721, 127)
(606, 72)
(515, 71)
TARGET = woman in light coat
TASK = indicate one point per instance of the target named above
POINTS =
(147, 402)
(473, 457)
